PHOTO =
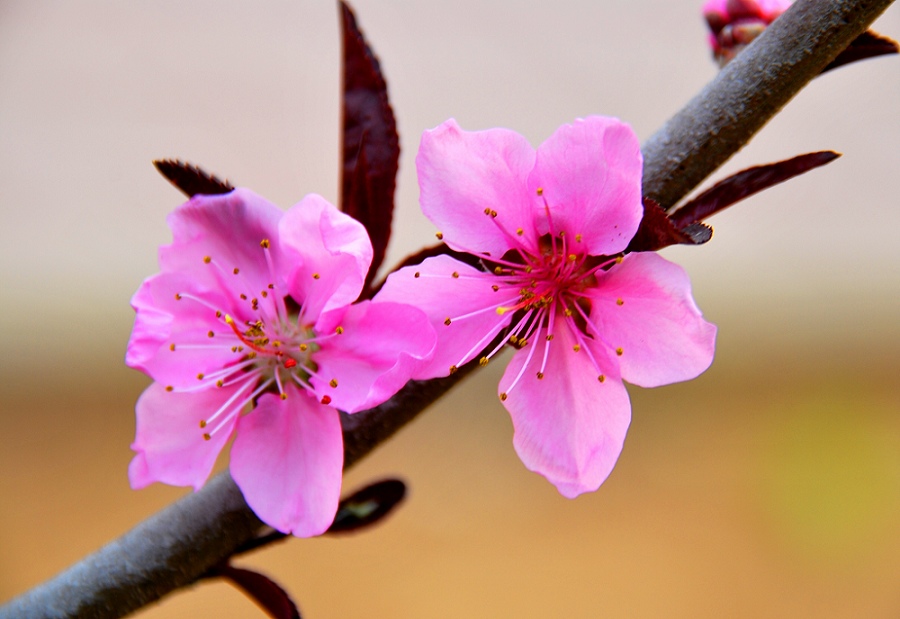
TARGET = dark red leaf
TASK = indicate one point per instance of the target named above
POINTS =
(867, 45)
(371, 147)
(268, 595)
(190, 179)
(657, 231)
(746, 183)
(367, 506)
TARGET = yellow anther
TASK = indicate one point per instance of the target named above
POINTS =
(619, 259)
(619, 301)
(493, 213)
(540, 375)
(502, 310)
(200, 376)
(567, 312)
(236, 270)
(333, 382)
(339, 330)
(503, 397)
(572, 257)
(417, 274)
(619, 351)
(513, 339)
(276, 343)
(177, 297)
(206, 437)
(578, 238)
(576, 347)
(210, 334)
(170, 388)
(172, 347)
(229, 320)
(218, 314)
(601, 378)
(540, 191)
(483, 361)
(495, 287)
(264, 243)
(263, 293)
(303, 347)
(316, 276)
(498, 271)
(202, 423)
(487, 211)
(283, 395)
(453, 369)
(220, 383)
(454, 275)
(447, 321)
(519, 231)
(549, 337)
(440, 236)
(207, 259)
(523, 343)
(562, 233)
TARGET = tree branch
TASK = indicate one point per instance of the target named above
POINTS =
(176, 546)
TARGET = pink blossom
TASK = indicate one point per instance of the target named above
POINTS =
(253, 308)
(734, 24)
(545, 231)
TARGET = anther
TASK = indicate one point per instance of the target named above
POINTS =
(202, 423)
(206, 436)
(220, 383)
(440, 236)
(483, 361)
(263, 293)
(316, 276)
(339, 330)
(417, 275)
(326, 399)
(243, 297)
(210, 334)
(619, 259)
(576, 347)
(447, 321)
(303, 347)
(200, 376)
(519, 231)
(549, 337)
(578, 238)
(333, 383)
(495, 287)
(283, 396)
(619, 351)
(487, 211)
(540, 376)
(454, 275)
(453, 369)
(172, 347)
(170, 388)
(218, 314)
(236, 270)
(177, 297)
(498, 271)
(264, 243)
(601, 378)
(540, 191)
(271, 286)
(493, 213)
(620, 302)
(503, 397)
(572, 257)
(290, 362)
(207, 259)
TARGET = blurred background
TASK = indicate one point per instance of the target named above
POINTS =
(770, 486)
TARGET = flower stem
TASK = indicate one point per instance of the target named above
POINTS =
(176, 546)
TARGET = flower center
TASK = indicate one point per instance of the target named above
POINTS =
(271, 345)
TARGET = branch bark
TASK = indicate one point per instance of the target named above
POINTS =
(176, 546)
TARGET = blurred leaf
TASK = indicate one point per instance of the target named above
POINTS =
(867, 45)
(657, 231)
(371, 147)
(367, 506)
(190, 179)
(746, 183)
(268, 595)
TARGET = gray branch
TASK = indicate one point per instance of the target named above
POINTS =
(178, 545)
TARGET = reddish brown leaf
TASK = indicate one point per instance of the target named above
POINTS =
(190, 179)
(268, 595)
(371, 147)
(867, 45)
(367, 506)
(657, 231)
(746, 183)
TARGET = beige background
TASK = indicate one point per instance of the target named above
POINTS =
(768, 487)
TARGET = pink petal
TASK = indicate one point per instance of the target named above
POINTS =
(382, 345)
(162, 320)
(440, 295)
(287, 460)
(590, 175)
(661, 332)
(329, 255)
(169, 441)
(569, 427)
(462, 173)
(228, 229)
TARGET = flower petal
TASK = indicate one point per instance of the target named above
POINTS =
(329, 253)
(287, 460)
(227, 230)
(569, 426)
(170, 341)
(659, 328)
(441, 296)
(462, 173)
(169, 441)
(381, 346)
(589, 172)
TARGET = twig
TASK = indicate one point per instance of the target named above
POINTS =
(174, 547)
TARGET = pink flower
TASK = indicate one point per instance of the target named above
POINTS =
(253, 307)
(545, 231)
(735, 23)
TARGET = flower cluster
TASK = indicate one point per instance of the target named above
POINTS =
(252, 326)
(253, 308)
(734, 24)
(546, 230)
